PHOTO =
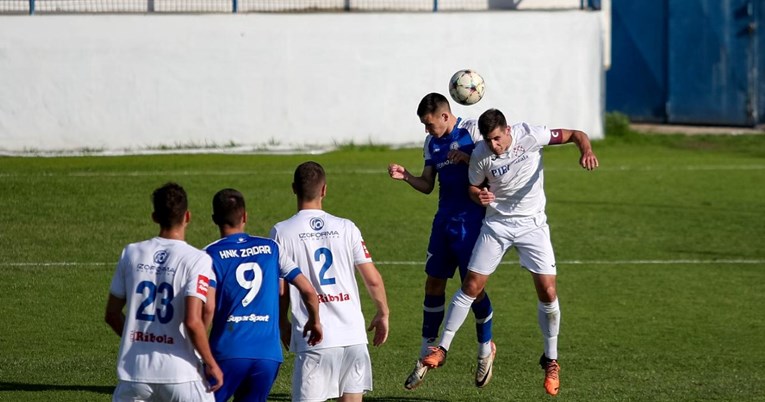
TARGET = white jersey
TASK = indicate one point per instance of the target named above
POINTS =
(155, 277)
(327, 249)
(516, 177)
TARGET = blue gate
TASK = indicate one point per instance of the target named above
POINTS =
(712, 65)
(688, 61)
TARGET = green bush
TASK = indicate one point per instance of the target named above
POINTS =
(617, 125)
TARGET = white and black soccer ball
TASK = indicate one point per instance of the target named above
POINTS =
(466, 87)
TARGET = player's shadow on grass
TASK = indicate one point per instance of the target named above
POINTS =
(103, 389)
(285, 397)
(402, 399)
(16, 386)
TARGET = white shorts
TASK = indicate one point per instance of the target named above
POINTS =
(194, 391)
(530, 237)
(329, 373)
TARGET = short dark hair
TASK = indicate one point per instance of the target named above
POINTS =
(308, 180)
(228, 207)
(490, 120)
(432, 103)
(170, 205)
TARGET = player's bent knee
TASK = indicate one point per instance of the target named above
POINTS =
(549, 295)
(472, 288)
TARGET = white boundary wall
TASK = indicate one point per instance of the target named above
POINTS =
(293, 81)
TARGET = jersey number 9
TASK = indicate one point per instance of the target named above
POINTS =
(252, 284)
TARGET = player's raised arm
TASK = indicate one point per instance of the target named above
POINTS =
(373, 281)
(424, 183)
(588, 160)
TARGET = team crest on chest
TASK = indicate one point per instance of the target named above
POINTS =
(454, 146)
(518, 150)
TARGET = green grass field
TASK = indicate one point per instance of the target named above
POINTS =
(660, 255)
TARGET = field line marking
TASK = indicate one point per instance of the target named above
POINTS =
(381, 171)
(560, 262)
(606, 262)
(54, 264)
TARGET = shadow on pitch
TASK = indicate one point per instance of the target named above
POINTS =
(16, 386)
(103, 389)
(285, 397)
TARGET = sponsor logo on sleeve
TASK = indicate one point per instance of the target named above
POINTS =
(203, 283)
(366, 252)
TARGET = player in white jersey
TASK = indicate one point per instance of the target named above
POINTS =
(329, 251)
(510, 161)
(162, 285)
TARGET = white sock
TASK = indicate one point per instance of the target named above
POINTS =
(426, 344)
(455, 317)
(549, 322)
(484, 349)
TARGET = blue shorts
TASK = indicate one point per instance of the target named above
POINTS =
(247, 379)
(451, 244)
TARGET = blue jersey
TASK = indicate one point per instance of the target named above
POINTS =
(246, 322)
(453, 198)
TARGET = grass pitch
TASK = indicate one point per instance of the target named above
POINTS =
(660, 255)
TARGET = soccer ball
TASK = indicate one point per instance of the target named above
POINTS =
(466, 87)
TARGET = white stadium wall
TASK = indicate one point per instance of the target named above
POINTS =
(284, 81)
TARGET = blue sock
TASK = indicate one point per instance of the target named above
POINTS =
(432, 315)
(483, 319)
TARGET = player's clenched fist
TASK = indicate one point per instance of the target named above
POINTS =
(396, 171)
(485, 196)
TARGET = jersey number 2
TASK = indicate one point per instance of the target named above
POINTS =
(165, 311)
(327, 254)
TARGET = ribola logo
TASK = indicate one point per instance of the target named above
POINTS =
(317, 223)
(340, 297)
(138, 336)
(160, 256)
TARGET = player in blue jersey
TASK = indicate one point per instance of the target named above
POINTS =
(456, 226)
(245, 331)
